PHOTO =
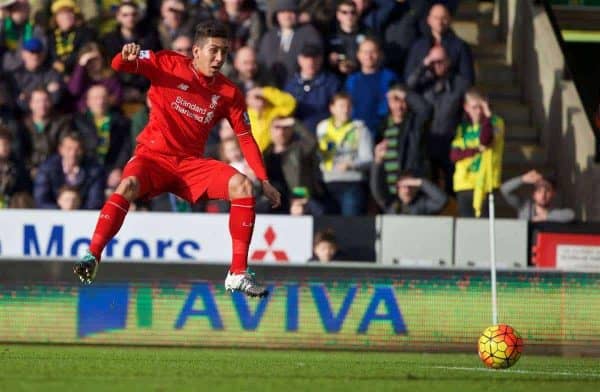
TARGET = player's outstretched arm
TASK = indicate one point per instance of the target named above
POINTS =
(132, 59)
(130, 52)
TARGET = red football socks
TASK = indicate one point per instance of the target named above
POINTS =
(241, 225)
(109, 222)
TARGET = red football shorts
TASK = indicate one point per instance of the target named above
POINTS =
(187, 177)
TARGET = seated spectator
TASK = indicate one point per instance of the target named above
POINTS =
(344, 41)
(66, 36)
(401, 148)
(542, 206)
(318, 13)
(130, 28)
(292, 165)
(34, 73)
(368, 86)
(264, 104)
(458, 51)
(42, 128)
(182, 44)
(13, 175)
(346, 150)
(68, 198)
(280, 46)
(15, 29)
(21, 200)
(481, 131)
(173, 21)
(247, 72)
(325, 247)
(69, 167)
(444, 92)
(231, 153)
(416, 196)
(312, 87)
(106, 134)
(92, 69)
(245, 24)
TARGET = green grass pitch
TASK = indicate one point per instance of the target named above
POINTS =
(103, 368)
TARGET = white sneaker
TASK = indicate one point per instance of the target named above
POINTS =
(246, 284)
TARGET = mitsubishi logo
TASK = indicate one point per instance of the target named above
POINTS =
(279, 254)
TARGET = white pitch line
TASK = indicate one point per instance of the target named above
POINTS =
(540, 372)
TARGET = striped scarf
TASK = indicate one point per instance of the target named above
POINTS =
(335, 140)
(13, 34)
(64, 43)
(103, 131)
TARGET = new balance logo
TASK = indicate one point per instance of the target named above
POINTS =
(183, 87)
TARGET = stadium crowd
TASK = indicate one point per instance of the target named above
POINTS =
(359, 106)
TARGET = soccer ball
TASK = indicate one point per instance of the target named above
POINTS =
(500, 346)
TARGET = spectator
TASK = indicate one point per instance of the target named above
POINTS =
(106, 134)
(444, 92)
(34, 73)
(182, 44)
(8, 118)
(14, 30)
(318, 13)
(66, 37)
(401, 148)
(280, 46)
(247, 72)
(264, 104)
(130, 29)
(69, 167)
(13, 175)
(344, 41)
(91, 69)
(368, 87)
(542, 206)
(474, 135)
(42, 128)
(245, 24)
(325, 247)
(346, 150)
(21, 200)
(230, 152)
(312, 87)
(292, 165)
(173, 21)
(416, 196)
(458, 51)
(68, 198)
(375, 14)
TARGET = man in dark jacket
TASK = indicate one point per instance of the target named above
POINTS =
(69, 167)
(13, 175)
(458, 51)
(312, 87)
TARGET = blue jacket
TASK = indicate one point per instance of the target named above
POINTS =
(312, 97)
(50, 178)
(369, 103)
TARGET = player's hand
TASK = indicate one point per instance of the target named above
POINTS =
(272, 194)
(130, 52)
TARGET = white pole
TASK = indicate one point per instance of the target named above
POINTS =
(493, 257)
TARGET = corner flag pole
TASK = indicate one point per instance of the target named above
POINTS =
(492, 231)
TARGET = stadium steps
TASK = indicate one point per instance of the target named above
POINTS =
(499, 81)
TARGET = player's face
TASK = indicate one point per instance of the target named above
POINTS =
(210, 56)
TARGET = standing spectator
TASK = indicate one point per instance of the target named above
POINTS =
(66, 37)
(368, 87)
(280, 46)
(106, 134)
(244, 22)
(318, 13)
(182, 44)
(247, 72)
(344, 41)
(346, 150)
(473, 136)
(312, 87)
(69, 167)
(458, 51)
(292, 165)
(416, 196)
(34, 73)
(542, 206)
(91, 69)
(15, 28)
(444, 92)
(265, 104)
(68, 198)
(375, 14)
(402, 146)
(42, 128)
(13, 175)
(173, 21)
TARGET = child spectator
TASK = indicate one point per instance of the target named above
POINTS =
(346, 150)
(68, 198)
(325, 246)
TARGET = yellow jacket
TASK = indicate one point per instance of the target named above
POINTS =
(278, 104)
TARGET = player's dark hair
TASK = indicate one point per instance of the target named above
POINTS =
(210, 29)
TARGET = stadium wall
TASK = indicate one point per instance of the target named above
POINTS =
(351, 306)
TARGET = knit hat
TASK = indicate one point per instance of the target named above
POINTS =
(60, 4)
(34, 45)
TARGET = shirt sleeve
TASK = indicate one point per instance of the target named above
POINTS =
(147, 64)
